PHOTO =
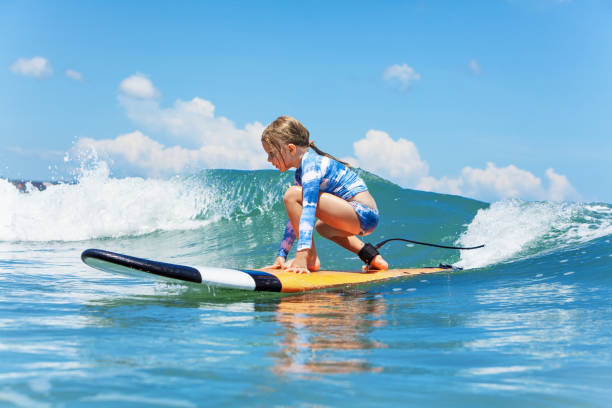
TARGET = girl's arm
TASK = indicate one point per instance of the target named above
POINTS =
(310, 199)
(311, 182)
(287, 242)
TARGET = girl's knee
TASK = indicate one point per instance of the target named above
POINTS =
(293, 193)
(319, 226)
(329, 232)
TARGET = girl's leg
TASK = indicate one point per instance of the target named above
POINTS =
(293, 205)
(337, 221)
(350, 242)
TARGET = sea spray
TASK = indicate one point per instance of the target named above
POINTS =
(515, 229)
(96, 206)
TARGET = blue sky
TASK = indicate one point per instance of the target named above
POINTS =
(486, 99)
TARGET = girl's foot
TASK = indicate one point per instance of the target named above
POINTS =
(316, 266)
(377, 264)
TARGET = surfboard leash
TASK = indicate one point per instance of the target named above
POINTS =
(425, 243)
(369, 251)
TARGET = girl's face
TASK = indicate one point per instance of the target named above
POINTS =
(277, 158)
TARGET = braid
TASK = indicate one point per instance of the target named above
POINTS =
(322, 153)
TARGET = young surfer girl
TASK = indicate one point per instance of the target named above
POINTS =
(324, 188)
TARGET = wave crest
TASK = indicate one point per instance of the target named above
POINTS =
(516, 229)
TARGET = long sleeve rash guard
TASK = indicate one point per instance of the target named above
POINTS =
(318, 174)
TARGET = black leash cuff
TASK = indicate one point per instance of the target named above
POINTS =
(367, 253)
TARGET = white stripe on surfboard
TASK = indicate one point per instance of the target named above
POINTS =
(226, 278)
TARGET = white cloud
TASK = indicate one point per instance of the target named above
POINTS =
(494, 183)
(474, 67)
(202, 139)
(444, 185)
(37, 67)
(403, 74)
(137, 151)
(194, 123)
(76, 75)
(560, 187)
(400, 162)
(138, 86)
(505, 182)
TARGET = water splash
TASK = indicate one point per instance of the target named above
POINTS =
(96, 206)
(516, 229)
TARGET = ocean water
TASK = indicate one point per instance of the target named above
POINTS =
(527, 322)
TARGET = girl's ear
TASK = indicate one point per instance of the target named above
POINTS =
(291, 148)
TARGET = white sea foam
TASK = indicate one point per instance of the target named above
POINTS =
(513, 229)
(98, 206)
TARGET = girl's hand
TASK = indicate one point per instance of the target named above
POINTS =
(299, 263)
(279, 263)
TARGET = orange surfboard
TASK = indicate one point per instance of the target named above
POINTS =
(271, 280)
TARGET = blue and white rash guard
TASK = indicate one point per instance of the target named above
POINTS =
(318, 174)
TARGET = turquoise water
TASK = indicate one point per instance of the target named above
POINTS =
(526, 322)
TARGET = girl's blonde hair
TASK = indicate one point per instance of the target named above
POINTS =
(285, 130)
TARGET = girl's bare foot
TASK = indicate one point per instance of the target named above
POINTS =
(377, 264)
(316, 266)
